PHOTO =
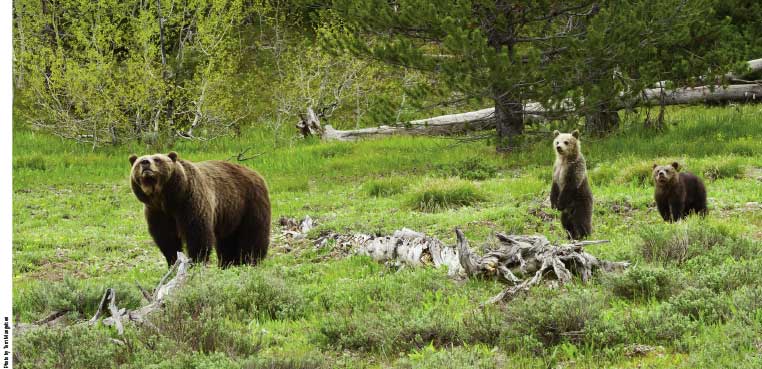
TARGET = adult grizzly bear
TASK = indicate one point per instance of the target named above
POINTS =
(677, 194)
(205, 204)
(570, 192)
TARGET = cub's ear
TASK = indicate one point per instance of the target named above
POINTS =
(133, 157)
(676, 165)
(556, 133)
(172, 155)
(655, 165)
(575, 133)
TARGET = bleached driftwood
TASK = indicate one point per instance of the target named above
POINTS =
(117, 317)
(404, 247)
(484, 119)
(523, 261)
(441, 125)
(519, 261)
(296, 228)
(309, 124)
(703, 94)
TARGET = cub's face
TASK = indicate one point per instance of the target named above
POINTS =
(151, 172)
(666, 173)
(566, 144)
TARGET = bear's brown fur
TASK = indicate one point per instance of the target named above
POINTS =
(205, 204)
(678, 194)
(570, 192)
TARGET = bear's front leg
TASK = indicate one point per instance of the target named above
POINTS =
(663, 207)
(676, 209)
(554, 196)
(199, 235)
(163, 230)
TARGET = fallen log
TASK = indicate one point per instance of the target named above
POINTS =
(519, 261)
(441, 125)
(117, 317)
(703, 94)
(484, 119)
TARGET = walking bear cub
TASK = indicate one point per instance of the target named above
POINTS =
(570, 192)
(678, 194)
(204, 205)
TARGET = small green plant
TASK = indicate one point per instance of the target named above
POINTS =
(659, 324)
(639, 173)
(35, 162)
(474, 168)
(677, 243)
(552, 316)
(437, 195)
(79, 298)
(701, 304)
(722, 167)
(385, 187)
(643, 282)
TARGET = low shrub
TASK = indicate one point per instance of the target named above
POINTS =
(79, 298)
(658, 325)
(474, 168)
(552, 316)
(445, 194)
(385, 187)
(677, 243)
(35, 162)
(701, 304)
(644, 282)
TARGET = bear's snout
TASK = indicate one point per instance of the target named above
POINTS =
(145, 163)
(559, 149)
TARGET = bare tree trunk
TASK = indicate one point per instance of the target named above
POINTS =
(602, 119)
(164, 72)
(509, 121)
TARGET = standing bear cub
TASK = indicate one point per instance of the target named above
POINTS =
(678, 194)
(570, 192)
(205, 204)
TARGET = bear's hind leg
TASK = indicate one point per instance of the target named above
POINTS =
(229, 252)
(254, 237)
(567, 221)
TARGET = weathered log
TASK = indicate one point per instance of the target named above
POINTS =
(484, 119)
(703, 94)
(519, 261)
(309, 124)
(166, 286)
(754, 66)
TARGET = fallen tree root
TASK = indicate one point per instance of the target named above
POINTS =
(519, 261)
(117, 317)
(524, 261)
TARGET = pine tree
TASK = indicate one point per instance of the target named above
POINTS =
(582, 56)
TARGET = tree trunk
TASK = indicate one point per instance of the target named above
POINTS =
(602, 120)
(509, 121)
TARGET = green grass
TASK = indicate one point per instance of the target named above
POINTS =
(693, 291)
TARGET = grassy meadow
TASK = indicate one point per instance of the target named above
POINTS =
(692, 299)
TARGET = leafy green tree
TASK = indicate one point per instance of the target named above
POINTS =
(106, 71)
(585, 57)
(482, 49)
(629, 46)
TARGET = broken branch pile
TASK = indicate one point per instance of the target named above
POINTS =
(519, 261)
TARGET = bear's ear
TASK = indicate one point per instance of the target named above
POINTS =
(133, 157)
(676, 165)
(556, 133)
(172, 155)
(575, 133)
(655, 165)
